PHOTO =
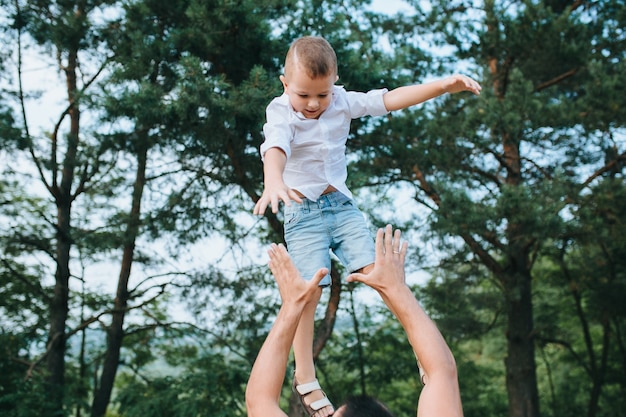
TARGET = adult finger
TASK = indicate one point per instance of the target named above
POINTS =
(273, 254)
(380, 249)
(388, 239)
(318, 276)
(396, 242)
(358, 277)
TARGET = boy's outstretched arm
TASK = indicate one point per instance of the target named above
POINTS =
(410, 95)
(275, 188)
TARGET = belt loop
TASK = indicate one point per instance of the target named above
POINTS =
(323, 201)
(332, 199)
(336, 198)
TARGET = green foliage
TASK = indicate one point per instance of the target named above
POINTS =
(209, 384)
(481, 370)
(188, 81)
(19, 397)
(10, 134)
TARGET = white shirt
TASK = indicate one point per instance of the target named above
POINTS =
(316, 148)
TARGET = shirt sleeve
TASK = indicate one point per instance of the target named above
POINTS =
(277, 129)
(367, 104)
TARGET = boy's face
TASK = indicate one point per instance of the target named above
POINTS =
(306, 95)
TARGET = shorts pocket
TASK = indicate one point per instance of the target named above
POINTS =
(292, 216)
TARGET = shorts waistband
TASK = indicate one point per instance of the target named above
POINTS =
(332, 199)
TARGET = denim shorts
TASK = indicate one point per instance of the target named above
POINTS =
(333, 222)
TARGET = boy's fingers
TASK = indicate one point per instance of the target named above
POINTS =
(284, 197)
(294, 196)
(274, 205)
(258, 207)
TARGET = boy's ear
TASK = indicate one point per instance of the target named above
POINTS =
(284, 81)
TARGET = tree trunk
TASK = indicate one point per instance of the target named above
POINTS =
(62, 193)
(521, 378)
(115, 334)
(55, 360)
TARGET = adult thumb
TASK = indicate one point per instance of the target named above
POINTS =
(319, 275)
(355, 277)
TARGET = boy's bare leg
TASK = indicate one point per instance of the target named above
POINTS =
(366, 269)
(303, 343)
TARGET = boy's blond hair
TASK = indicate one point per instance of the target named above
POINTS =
(314, 54)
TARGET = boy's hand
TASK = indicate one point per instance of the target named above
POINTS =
(272, 195)
(457, 83)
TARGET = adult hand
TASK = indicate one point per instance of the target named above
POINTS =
(292, 287)
(389, 264)
(268, 373)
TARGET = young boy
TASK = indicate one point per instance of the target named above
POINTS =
(304, 161)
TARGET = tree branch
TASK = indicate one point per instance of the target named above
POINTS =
(556, 80)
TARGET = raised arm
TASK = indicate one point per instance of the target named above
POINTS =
(440, 396)
(268, 371)
(410, 95)
(275, 188)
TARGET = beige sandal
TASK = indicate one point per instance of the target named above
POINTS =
(305, 389)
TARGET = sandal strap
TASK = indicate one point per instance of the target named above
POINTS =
(319, 404)
(308, 387)
(304, 389)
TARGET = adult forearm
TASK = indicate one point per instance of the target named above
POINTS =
(440, 396)
(403, 305)
(423, 335)
(266, 378)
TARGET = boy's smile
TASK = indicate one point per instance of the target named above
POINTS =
(309, 96)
